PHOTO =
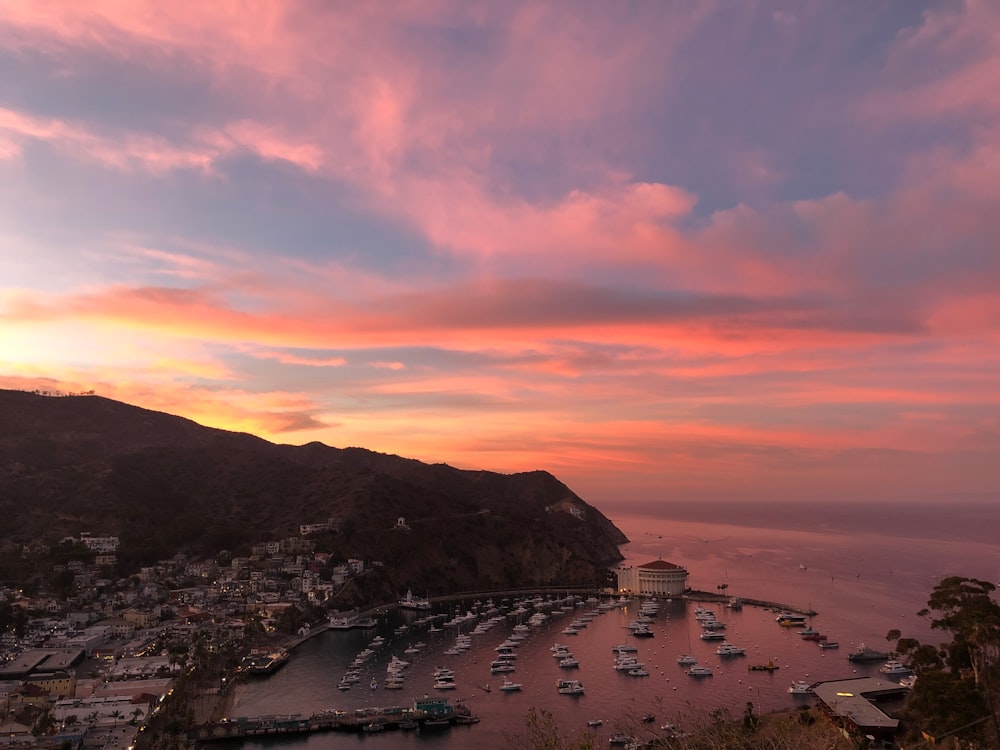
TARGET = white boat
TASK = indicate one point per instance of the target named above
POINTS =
(509, 687)
(502, 668)
(444, 685)
(638, 672)
(893, 667)
(569, 662)
(624, 648)
(594, 722)
(699, 671)
(712, 635)
(728, 649)
(414, 602)
(686, 659)
(908, 681)
(800, 687)
(569, 687)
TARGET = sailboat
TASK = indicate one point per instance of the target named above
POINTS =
(687, 659)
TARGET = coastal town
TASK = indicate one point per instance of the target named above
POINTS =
(96, 657)
(91, 659)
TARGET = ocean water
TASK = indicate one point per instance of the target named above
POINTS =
(865, 569)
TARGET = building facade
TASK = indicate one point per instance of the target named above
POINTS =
(657, 578)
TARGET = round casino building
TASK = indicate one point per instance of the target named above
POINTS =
(656, 578)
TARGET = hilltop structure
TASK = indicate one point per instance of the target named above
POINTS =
(659, 578)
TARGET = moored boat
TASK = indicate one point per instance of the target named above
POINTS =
(800, 687)
(863, 653)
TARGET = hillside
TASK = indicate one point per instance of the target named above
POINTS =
(165, 484)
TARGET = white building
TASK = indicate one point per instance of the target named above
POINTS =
(659, 578)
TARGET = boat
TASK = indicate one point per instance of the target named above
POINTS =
(375, 726)
(712, 635)
(769, 667)
(893, 667)
(908, 681)
(408, 724)
(649, 718)
(466, 719)
(863, 653)
(800, 687)
(728, 649)
(414, 602)
(642, 631)
(808, 632)
(790, 619)
(569, 687)
(618, 738)
(569, 662)
(509, 687)
(699, 671)
(638, 672)
(829, 644)
(814, 636)
(502, 668)
(686, 659)
(444, 684)
(595, 722)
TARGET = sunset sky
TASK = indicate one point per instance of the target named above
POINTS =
(665, 250)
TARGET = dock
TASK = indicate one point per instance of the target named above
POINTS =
(424, 713)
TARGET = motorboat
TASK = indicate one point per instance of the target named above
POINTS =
(699, 671)
(893, 667)
(638, 672)
(569, 662)
(728, 649)
(800, 687)
(569, 687)
(863, 653)
(684, 659)
(509, 687)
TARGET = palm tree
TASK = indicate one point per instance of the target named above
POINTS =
(116, 715)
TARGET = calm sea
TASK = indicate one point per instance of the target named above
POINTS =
(865, 569)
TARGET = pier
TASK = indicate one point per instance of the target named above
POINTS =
(424, 713)
(708, 596)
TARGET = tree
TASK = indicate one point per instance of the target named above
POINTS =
(955, 681)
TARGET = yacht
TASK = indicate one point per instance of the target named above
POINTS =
(712, 635)
(569, 662)
(444, 684)
(623, 648)
(638, 672)
(728, 649)
(699, 671)
(800, 687)
(686, 659)
(509, 687)
(893, 667)
(569, 687)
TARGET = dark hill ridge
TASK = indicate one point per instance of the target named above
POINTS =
(166, 484)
